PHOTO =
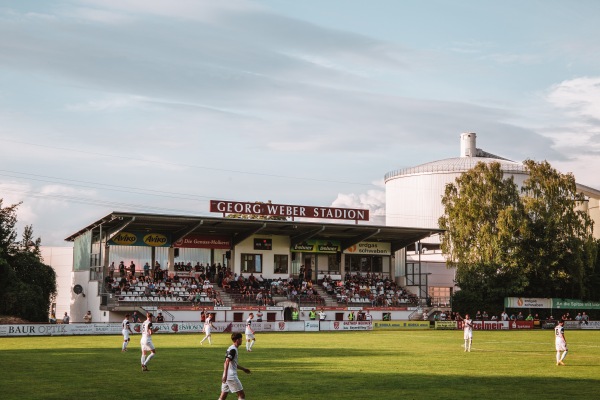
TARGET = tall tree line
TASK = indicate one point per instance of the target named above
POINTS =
(507, 241)
(27, 285)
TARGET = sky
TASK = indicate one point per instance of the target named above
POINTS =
(160, 106)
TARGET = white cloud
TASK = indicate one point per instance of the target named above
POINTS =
(372, 200)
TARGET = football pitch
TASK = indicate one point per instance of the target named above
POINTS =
(325, 365)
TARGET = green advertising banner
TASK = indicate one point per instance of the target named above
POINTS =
(571, 304)
(317, 246)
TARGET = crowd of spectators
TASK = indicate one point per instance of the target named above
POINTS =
(157, 284)
(372, 289)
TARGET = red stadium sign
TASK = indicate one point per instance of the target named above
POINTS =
(286, 210)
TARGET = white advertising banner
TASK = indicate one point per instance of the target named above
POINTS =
(346, 326)
(527, 302)
(311, 326)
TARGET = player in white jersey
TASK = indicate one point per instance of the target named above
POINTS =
(560, 343)
(126, 331)
(250, 339)
(208, 325)
(230, 381)
(468, 332)
(146, 342)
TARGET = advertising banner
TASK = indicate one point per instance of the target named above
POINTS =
(525, 302)
(571, 304)
(204, 242)
(520, 324)
(370, 248)
(401, 325)
(488, 325)
(141, 239)
(346, 326)
(317, 246)
(311, 326)
(445, 324)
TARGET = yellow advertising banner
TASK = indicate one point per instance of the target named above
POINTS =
(400, 324)
(445, 325)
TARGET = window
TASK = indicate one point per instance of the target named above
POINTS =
(333, 263)
(280, 264)
(440, 296)
(364, 264)
(251, 262)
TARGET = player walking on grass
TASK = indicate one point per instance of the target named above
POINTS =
(560, 342)
(208, 325)
(250, 339)
(146, 342)
(126, 331)
(230, 381)
(468, 332)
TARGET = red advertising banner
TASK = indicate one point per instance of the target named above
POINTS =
(204, 242)
(487, 325)
(286, 210)
(520, 324)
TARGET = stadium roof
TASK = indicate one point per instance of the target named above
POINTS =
(179, 226)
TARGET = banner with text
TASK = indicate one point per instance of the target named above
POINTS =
(370, 248)
(287, 210)
(527, 302)
(140, 239)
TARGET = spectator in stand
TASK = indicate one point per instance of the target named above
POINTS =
(485, 316)
(132, 268)
(322, 314)
(529, 317)
(160, 318)
(122, 269)
(146, 269)
(87, 318)
(66, 318)
(504, 316)
(585, 319)
(520, 316)
(478, 316)
(136, 317)
(111, 270)
(259, 315)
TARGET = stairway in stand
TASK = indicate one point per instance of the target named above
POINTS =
(329, 301)
(227, 300)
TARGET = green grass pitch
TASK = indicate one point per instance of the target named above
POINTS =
(326, 365)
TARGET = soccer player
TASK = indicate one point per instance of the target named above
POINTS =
(207, 329)
(230, 381)
(468, 332)
(250, 339)
(126, 331)
(146, 341)
(560, 342)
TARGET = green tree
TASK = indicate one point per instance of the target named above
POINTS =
(483, 223)
(559, 251)
(502, 242)
(28, 286)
